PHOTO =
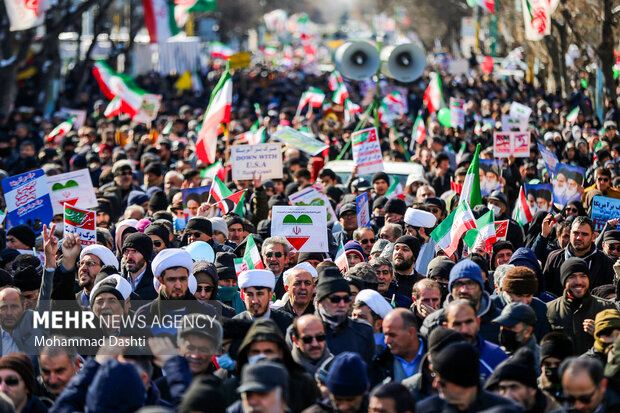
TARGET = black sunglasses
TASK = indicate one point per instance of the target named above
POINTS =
(10, 381)
(157, 243)
(367, 241)
(277, 254)
(583, 399)
(335, 299)
(308, 339)
(194, 234)
(207, 289)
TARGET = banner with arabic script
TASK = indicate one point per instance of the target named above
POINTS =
(27, 200)
(82, 222)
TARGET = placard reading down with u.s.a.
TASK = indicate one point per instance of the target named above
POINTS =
(263, 160)
(304, 227)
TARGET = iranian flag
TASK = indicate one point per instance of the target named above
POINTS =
(449, 232)
(419, 131)
(197, 6)
(522, 213)
(220, 50)
(114, 84)
(313, 97)
(233, 203)
(113, 108)
(218, 190)
(60, 130)
(484, 234)
(159, 20)
(573, 115)
(211, 171)
(471, 185)
(340, 94)
(395, 190)
(478, 129)
(433, 97)
(217, 112)
(350, 109)
(341, 259)
(251, 259)
(335, 79)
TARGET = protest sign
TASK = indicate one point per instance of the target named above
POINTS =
(510, 124)
(518, 110)
(506, 144)
(27, 200)
(490, 172)
(81, 222)
(362, 210)
(604, 209)
(539, 197)
(314, 195)
(367, 151)
(252, 161)
(501, 229)
(79, 116)
(192, 198)
(74, 188)
(304, 227)
(457, 113)
(567, 184)
(549, 158)
(300, 140)
(148, 110)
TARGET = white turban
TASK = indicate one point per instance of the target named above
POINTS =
(306, 266)
(172, 257)
(419, 218)
(122, 285)
(257, 278)
(377, 303)
(104, 254)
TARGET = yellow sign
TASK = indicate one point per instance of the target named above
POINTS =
(239, 60)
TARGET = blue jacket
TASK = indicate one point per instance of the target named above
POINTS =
(490, 356)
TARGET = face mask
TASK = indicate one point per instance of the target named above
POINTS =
(226, 362)
(254, 359)
(226, 293)
(332, 320)
(496, 210)
(551, 373)
(179, 223)
(508, 340)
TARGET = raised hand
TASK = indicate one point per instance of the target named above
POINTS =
(71, 249)
(50, 246)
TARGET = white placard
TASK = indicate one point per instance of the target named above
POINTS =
(263, 159)
(74, 188)
(304, 227)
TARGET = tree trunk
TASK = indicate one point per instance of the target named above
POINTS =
(605, 51)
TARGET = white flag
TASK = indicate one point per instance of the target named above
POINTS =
(26, 14)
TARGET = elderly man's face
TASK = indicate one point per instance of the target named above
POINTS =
(300, 287)
(275, 258)
(11, 309)
(57, 371)
(198, 351)
(337, 303)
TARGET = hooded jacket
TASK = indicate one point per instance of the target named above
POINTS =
(487, 313)
(601, 268)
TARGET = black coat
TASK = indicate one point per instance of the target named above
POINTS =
(281, 318)
(485, 400)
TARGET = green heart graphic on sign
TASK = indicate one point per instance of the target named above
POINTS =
(69, 184)
(301, 220)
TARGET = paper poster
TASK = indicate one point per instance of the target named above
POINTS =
(550, 159)
(148, 110)
(249, 161)
(539, 197)
(457, 113)
(362, 210)
(82, 222)
(567, 184)
(314, 195)
(367, 151)
(74, 188)
(518, 110)
(506, 144)
(604, 209)
(501, 229)
(510, 124)
(27, 200)
(490, 172)
(300, 140)
(79, 116)
(304, 227)
(193, 198)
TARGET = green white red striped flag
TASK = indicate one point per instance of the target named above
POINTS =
(471, 186)
(60, 130)
(419, 131)
(340, 94)
(395, 190)
(219, 190)
(217, 112)
(341, 259)
(433, 95)
(211, 171)
(251, 259)
(523, 214)
(484, 234)
(451, 230)
(113, 84)
(220, 50)
(159, 20)
(335, 79)
(350, 109)
(113, 108)
(313, 97)
(573, 115)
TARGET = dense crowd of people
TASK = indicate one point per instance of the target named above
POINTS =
(529, 325)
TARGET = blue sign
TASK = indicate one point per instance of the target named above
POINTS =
(551, 161)
(604, 209)
(27, 200)
(363, 210)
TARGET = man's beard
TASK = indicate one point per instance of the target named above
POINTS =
(404, 265)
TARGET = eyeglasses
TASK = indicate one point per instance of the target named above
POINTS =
(335, 299)
(348, 216)
(572, 210)
(90, 263)
(469, 284)
(206, 289)
(194, 234)
(124, 173)
(157, 243)
(583, 399)
(367, 241)
(277, 254)
(602, 179)
(308, 339)
(613, 247)
(10, 381)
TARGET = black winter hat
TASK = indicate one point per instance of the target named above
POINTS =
(457, 363)
(441, 337)
(379, 202)
(380, 175)
(521, 367)
(330, 281)
(24, 234)
(225, 265)
(160, 230)
(158, 201)
(411, 242)
(27, 279)
(141, 243)
(571, 266)
(556, 344)
(395, 206)
(200, 224)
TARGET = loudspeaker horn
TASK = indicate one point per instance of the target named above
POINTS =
(357, 60)
(405, 62)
